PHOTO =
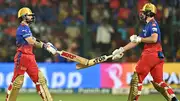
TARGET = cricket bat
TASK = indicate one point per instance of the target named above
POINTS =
(94, 61)
(73, 57)
(83, 62)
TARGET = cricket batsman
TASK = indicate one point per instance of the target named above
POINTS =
(24, 59)
(152, 58)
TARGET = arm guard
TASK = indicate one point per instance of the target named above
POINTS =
(38, 43)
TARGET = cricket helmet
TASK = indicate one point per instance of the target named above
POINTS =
(149, 9)
(23, 14)
(24, 11)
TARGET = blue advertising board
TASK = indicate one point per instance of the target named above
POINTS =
(58, 75)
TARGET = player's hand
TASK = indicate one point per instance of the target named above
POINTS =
(50, 48)
(117, 56)
(135, 39)
(118, 51)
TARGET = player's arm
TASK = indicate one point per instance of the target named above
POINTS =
(37, 43)
(33, 41)
(153, 30)
(129, 46)
(152, 39)
(137, 39)
(118, 53)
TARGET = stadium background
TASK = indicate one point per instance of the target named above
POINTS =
(74, 25)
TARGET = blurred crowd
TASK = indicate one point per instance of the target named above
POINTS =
(107, 24)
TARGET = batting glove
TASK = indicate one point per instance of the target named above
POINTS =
(117, 56)
(118, 51)
(50, 48)
(135, 39)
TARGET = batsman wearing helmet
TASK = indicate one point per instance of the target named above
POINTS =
(24, 59)
(152, 58)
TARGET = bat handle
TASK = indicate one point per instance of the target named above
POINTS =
(105, 57)
(110, 56)
(59, 52)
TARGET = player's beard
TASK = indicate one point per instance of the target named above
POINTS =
(142, 18)
(29, 21)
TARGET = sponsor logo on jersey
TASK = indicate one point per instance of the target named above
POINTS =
(24, 30)
(145, 32)
(154, 29)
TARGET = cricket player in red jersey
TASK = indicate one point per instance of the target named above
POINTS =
(152, 58)
(24, 59)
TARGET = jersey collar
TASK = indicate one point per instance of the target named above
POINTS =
(22, 24)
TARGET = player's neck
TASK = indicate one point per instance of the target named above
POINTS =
(149, 19)
(25, 23)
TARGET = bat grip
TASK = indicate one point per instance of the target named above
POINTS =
(102, 59)
(110, 56)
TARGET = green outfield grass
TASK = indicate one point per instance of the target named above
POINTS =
(85, 97)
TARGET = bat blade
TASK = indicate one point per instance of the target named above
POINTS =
(73, 57)
(81, 66)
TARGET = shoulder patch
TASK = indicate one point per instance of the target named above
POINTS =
(154, 29)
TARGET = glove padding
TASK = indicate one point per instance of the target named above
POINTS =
(50, 48)
(135, 39)
(118, 51)
(117, 56)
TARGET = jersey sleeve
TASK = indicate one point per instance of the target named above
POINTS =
(154, 28)
(26, 33)
(141, 35)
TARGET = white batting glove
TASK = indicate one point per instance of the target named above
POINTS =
(50, 48)
(135, 39)
(118, 51)
(117, 56)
